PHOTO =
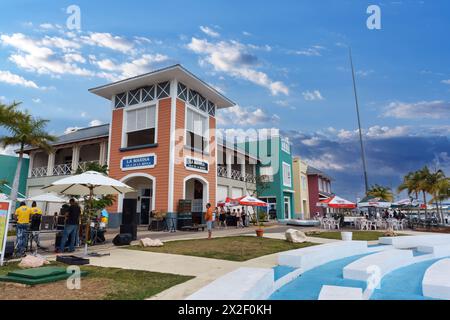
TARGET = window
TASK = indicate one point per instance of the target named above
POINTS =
(285, 146)
(134, 97)
(266, 174)
(211, 109)
(120, 100)
(163, 90)
(303, 182)
(197, 128)
(286, 175)
(141, 126)
(182, 91)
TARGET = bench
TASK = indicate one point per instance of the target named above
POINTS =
(194, 227)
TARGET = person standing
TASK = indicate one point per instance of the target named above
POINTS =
(35, 209)
(244, 218)
(23, 214)
(71, 226)
(222, 218)
(239, 219)
(209, 219)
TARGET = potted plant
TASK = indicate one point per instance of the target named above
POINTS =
(260, 230)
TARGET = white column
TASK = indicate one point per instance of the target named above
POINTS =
(229, 160)
(30, 163)
(103, 150)
(75, 157)
(50, 163)
(243, 167)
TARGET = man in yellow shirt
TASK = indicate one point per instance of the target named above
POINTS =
(35, 209)
(23, 214)
(209, 219)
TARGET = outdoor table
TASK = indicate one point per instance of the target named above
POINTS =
(33, 236)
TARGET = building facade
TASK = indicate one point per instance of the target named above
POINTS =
(275, 184)
(162, 140)
(301, 195)
(236, 172)
(319, 187)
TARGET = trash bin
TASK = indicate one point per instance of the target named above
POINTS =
(346, 236)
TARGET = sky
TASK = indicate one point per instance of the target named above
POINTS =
(285, 64)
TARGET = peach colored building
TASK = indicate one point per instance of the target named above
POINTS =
(162, 140)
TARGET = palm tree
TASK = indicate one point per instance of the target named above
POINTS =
(436, 183)
(25, 131)
(381, 192)
(8, 114)
(411, 183)
(424, 185)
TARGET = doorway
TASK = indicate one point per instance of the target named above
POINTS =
(287, 207)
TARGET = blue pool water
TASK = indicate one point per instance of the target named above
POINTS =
(281, 271)
(404, 283)
(309, 284)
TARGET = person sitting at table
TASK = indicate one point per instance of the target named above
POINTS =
(23, 214)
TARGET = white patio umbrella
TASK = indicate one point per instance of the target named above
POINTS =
(89, 183)
(48, 197)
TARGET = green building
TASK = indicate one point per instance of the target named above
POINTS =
(8, 165)
(275, 185)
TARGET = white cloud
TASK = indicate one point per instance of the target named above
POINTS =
(94, 123)
(115, 71)
(36, 100)
(446, 81)
(14, 79)
(107, 40)
(34, 56)
(234, 59)
(314, 51)
(242, 116)
(210, 32)
(364, 73)
(437, 109)
(326, 161)
(9, 150)
(312, 95)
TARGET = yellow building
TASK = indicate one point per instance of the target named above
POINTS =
(301, 195)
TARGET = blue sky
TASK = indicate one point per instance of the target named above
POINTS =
(285, 63)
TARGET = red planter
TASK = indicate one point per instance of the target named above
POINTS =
(259, 232)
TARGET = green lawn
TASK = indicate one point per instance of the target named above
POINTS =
(100, 284)
(357, 235)
(239, 248)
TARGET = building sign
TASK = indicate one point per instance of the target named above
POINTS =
(142, 161)
(5, 207)
(196, 165)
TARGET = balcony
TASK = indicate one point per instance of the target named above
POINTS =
(59, 169)
(238, 175)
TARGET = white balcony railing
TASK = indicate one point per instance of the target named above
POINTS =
(38, 172)
(64, 169)
(222, 171)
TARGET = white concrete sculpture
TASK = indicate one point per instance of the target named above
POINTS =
(311, 257)
(436, 281)
(240, 284)
(295, 236)
(147, 242)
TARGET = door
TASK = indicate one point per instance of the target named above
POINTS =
(145, 210)
(129, 211)
(287, 207)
